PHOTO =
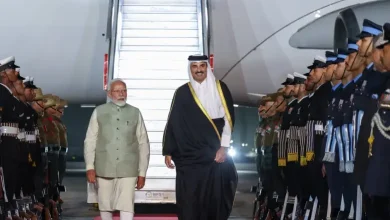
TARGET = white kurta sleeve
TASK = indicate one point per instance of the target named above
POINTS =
(226, 134)
(144, 147)
(90, 142)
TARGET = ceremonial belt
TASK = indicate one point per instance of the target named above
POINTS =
(11, 131)
(22, 135)
(44, 150)
(313, 127)
(63, 150)
(53, 148)
(292, 144)
(31, 136)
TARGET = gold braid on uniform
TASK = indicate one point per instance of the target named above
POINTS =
(376, 120)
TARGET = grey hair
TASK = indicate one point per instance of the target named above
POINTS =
(115, 81)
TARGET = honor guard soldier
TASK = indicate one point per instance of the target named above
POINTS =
(10, 114)
(330, 159)
(368, 85)
(60, 106)
(53, 144)
(290, 148)
(265, 154)
(385, 46)
(315, 127)
(259, 207)
(273, 181)
(296, 148)
(378, 172)
(286, 119)
(260, 132)
(38, 105)
(347, 72)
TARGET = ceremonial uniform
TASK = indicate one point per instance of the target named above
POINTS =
(64, 147)
(377, 179)
(315, 137)
(331, 159)
(369, 85)
(283, 149)
(42, 161)
(298, 148)
(10, 116)
(53, 144)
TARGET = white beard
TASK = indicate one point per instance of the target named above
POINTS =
(119, 103)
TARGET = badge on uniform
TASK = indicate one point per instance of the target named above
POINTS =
(299, 111)
(341, 104)
(290, 110)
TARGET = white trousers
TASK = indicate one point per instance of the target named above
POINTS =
(123, 215)
(116, 194)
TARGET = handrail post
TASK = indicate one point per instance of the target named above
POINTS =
(205, 26)
(115, 11)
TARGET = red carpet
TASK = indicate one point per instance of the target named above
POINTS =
(146, 217)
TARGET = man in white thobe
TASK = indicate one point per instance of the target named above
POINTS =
(116, 153)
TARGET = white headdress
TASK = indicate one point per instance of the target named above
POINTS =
(207, 90)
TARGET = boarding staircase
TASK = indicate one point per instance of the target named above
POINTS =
(153, 41)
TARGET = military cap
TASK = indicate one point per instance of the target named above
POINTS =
(289, 80)
(48, 101)
(29, 82)
(331, 57)
(299, 78)
(8, 63)
(352, 46)
(384, 39)
(57, 100)
(341, 55)
(319, 62)
(369, 29)
(273, 96)
(62, 104)
(38, 94)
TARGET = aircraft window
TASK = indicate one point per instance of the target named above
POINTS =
(133, 94)
(160, 17)
(161, 41)
(155, 125)
(150, 104)
(155, 84)
(159, 33)
(160, 25)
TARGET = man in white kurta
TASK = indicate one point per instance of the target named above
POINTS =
(116, 153)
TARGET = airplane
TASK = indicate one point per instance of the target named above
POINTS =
(74, 48)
